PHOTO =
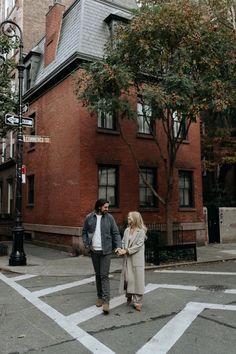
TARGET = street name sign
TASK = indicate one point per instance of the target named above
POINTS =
(27, 122)
(36, 139)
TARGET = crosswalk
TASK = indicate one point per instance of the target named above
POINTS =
(160, 343)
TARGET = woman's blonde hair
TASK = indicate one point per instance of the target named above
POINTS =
(137, 220)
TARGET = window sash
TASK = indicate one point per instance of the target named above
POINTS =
(107, 184)
(186, 189)
(10, 197)
(144, 121)
(146, 196)
(30, 190)
(179, 126)
(106, 120)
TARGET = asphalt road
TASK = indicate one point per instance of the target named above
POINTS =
(189, 309)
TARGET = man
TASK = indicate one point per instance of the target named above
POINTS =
(101, 236)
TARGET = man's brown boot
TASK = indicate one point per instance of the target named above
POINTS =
(99, 302)
(106, 309)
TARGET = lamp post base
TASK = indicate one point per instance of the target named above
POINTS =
(17, 257)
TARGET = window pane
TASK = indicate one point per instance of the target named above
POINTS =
(142, 196)
(102, 192)
(111, 195)
(30, 180)
(144, 118)
(106, 120)
(111, 176)
(179, 125)
(102, 177)
(146, 196)
(107, 184)
(186, 188)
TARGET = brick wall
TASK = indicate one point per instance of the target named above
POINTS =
(66, 169)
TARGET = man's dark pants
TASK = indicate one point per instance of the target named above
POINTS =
(101, 264)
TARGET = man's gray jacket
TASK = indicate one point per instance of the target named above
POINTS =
(110, 235)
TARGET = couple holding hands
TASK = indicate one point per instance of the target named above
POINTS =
(101, 236)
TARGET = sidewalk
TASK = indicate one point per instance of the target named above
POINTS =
(51, 262)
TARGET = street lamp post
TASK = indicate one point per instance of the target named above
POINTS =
(17, 257)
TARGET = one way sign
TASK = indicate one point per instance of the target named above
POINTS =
(14, 120)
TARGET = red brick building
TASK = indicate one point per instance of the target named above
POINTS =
(87, 157)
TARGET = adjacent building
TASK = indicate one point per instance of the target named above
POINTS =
(86, 156)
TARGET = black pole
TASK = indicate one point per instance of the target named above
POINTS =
(17, 257)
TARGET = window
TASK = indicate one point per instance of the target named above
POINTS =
(114, 21)
(186, 189)
(179, 125)
(30, 180)
(1, 197)
(12, 146)
(28, 77)
(106, 120)
(145, 125)
(10, 197)
(4, 150)
(108, 184)
(146, 196)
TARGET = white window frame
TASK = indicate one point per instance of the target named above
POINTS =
(178, 125)
(144, 121)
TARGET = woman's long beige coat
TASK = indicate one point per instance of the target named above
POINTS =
(133, 265)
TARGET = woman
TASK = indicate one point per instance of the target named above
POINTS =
(132, 275)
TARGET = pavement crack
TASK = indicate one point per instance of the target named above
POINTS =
(51, 346)
(218, 322)
(114, 328)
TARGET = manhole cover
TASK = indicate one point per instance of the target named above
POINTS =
(213, 287)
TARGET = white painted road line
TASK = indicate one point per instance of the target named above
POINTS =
(178, 287)
(92, 311)
(162, 342)
(75, 332)
(23, 277)
(61, 287)
(230, 291)
(193, 272)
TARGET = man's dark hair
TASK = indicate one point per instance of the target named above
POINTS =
(99, 203)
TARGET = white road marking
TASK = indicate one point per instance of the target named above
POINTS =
(75, 332)
(23, 277)
(230, 291)
(61, 287)
(92, 311)
(194, 272)
(162, 342)
(178, 287)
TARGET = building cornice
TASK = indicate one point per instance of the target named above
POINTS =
(58, 75)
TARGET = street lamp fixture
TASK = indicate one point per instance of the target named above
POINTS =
(17, 257)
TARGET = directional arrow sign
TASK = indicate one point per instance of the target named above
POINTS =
(11, 120)
(14, 120)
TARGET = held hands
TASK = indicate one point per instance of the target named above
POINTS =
(120, 252)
